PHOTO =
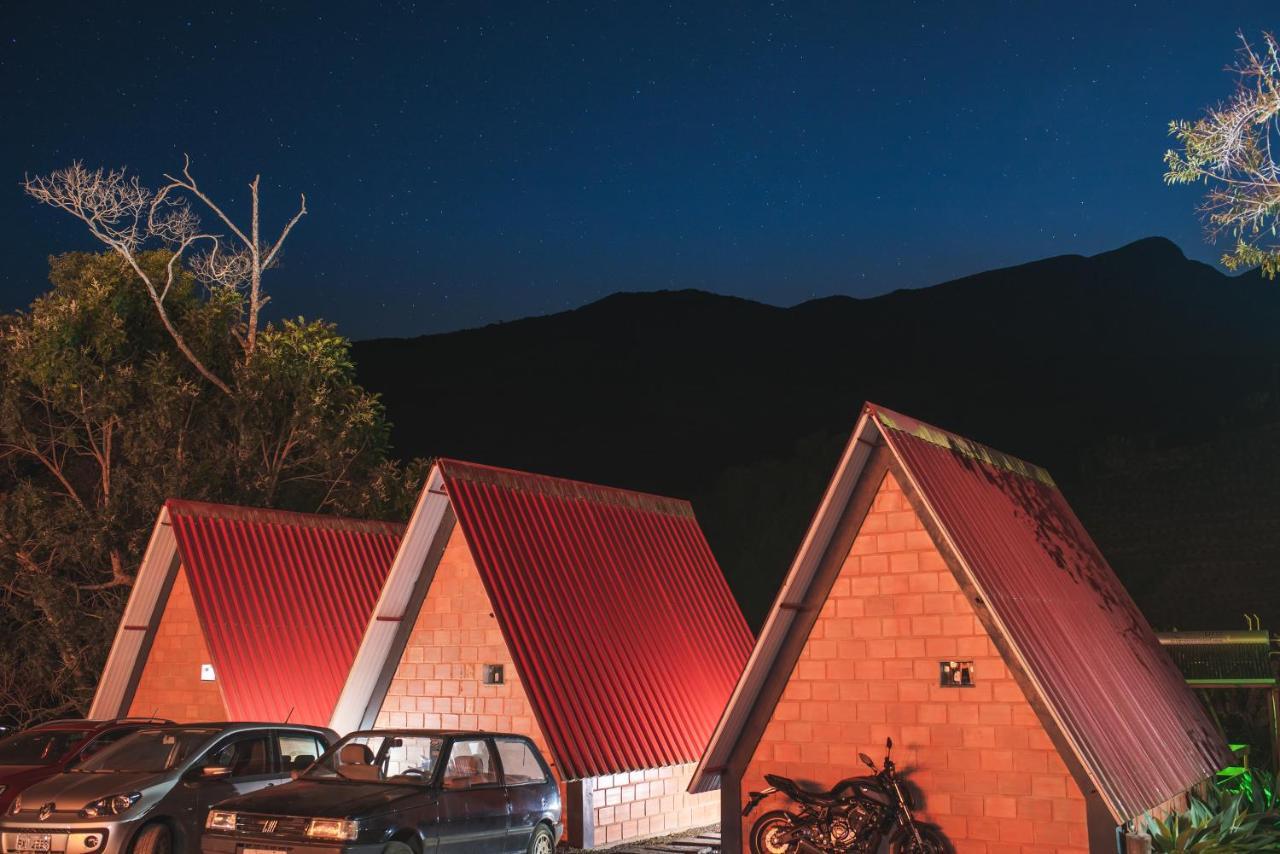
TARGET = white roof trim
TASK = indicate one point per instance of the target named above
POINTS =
(366, 677)
(866, 435)
(137, 626)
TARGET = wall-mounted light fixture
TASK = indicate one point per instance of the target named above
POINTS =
(956, 674)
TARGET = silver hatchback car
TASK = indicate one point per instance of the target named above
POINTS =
(149, 792)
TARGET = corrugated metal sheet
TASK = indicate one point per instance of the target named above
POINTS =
(1116, 695)
(1240, 658)
(616, 613)
(283, 599)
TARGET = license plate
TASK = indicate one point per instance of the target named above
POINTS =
(32, 842)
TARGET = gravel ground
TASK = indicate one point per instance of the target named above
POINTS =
(684, 834)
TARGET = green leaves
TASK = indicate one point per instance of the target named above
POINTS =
(102, 419)
(1237, 815)
(1230, 150)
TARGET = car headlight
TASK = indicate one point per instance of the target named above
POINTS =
(221, 820)
(16, 806)
(333, 828)
(111, 805)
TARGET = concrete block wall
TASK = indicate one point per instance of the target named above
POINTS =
(991, 778)
(438, 681)
(648, 803)
(170, 686)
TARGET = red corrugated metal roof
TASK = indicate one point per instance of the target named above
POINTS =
(616, 613)
(1116, 695)
(283, 599)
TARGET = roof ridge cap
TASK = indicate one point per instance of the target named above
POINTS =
(926, 432)
(563, 487)
(271, 515)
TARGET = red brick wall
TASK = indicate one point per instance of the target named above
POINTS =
(170, 686)
(653, 802)
(991, 778)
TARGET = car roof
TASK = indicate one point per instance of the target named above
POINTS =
(244, 726)
(72, 724)
(439, 733)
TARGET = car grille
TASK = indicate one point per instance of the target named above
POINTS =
(271, 825)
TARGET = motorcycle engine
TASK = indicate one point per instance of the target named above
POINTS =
(853, 829)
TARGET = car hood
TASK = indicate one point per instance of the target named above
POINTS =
(311, 799)
(19, 774)
(72, 790)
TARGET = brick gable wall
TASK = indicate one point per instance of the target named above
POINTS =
(437, 684)
(990, 776)
(170, 685)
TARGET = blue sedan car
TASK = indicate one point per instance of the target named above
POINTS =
(401, 792)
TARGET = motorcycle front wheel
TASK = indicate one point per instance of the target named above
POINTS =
(768, 834)
(931, 842)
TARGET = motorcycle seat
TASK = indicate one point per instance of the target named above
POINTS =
(792, 790)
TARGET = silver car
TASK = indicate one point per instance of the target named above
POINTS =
(149, 792)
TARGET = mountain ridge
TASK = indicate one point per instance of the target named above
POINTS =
(1087, 365)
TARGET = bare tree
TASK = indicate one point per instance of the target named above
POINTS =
(1230, 150)
(129, 218)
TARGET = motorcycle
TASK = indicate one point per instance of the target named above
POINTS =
(854, 817)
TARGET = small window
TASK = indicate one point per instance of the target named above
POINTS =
(956, 674)
(470, 766)
(298, 750)
(246, 757)
(520, 766)
(494, 674)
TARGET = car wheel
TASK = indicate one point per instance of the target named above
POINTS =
(395, 846)
(541, 842)
(153, 839)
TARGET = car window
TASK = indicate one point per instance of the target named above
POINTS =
(107, 739)
(470, 765)
(246, 756)
(151, 750)
(393, 758)
(519, 763)
(39, 747)
(299, 749)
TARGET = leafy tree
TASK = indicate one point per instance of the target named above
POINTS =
(1230, 150)
(103, 416)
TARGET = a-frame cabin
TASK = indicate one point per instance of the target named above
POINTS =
(946, 596)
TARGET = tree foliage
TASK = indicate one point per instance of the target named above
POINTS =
(102, 418)
(1230, 150)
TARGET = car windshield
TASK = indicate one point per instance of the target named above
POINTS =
(383, 758)
(151, 750)
(39, 747)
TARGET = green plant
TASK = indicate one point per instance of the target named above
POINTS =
(1256, 786)
(1223, 822)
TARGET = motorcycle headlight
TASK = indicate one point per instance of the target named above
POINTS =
(332, 828)
(221, 820)
(111, 805)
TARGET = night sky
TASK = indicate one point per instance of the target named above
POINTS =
(475, 162)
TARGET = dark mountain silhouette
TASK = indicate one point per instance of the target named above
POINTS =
(1146, 382)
